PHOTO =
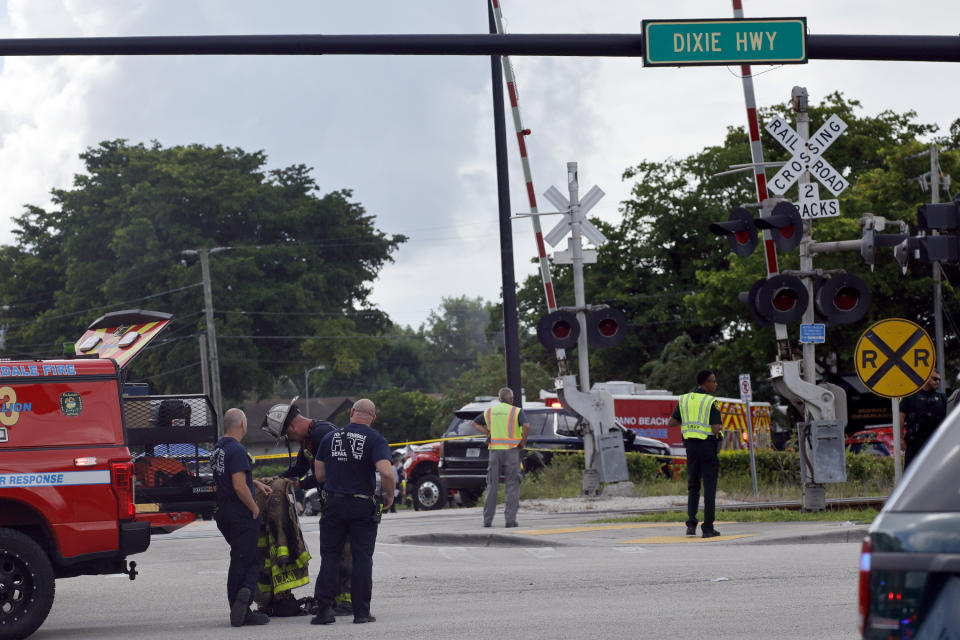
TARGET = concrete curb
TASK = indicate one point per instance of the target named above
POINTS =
(853, 534)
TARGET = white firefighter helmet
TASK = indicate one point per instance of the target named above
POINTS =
(278, 418)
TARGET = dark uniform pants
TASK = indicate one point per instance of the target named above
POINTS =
(913, 443)
(241, 531)
(342, 519)
(702, 465)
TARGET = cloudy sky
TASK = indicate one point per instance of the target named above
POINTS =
(413, 136)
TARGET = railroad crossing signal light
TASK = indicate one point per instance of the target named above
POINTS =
(786, 225)
(606, 327)
(841, 299)
(558, 330)
(740, 230)
(942, 217)
(782, 299)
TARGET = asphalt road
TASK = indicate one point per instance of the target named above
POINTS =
(440, 575)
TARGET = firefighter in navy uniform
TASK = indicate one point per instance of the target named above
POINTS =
(285, 421)
(347, 463)
(699, 419)
(921, 414)
(237, 517)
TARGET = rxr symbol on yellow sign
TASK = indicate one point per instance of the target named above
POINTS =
(894, 358)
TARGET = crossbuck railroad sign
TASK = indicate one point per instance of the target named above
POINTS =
(894, 358)
(562, 228)
(809, 157)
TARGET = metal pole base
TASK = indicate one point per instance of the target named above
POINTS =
(618, 489)
(814, 497)
(591, 482)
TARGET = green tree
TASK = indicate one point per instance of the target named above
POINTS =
(486, 379)
(403, 361)
(291, 292)
(404, 416)
(458, 334)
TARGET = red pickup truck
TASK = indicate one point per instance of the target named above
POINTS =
(68, 492)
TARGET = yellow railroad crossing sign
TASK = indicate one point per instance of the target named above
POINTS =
(894, 358)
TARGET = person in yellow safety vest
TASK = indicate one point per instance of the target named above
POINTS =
(508, 429)
(700, 423)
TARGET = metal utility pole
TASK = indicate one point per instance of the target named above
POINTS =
(204, 368)
(799, 99)
(579, 297)
(937, 274)
(306, 386)
(211, 337)
(511, 324)
(814, 494)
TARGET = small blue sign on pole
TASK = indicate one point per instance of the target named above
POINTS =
(815, 333)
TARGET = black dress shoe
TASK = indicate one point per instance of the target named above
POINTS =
(710, 533)
(363, 619)
(324, 617)
(691, 531)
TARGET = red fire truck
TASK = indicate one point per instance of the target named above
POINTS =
(71, 443)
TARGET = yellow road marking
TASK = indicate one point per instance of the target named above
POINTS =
(678, 539)
(604, 527)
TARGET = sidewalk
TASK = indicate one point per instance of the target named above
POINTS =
(573, 522)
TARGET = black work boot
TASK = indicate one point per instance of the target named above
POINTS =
(240, 607)
(326, 616)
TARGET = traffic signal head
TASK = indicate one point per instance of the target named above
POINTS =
(740, 230)
(943, 217)
(558, 330)
(786, 225)
(606, 327)
(782, 299)
(842, 299)
(939, 248)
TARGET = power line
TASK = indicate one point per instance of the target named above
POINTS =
(303, 337)
(167, 373)
(106, 306)
(360, 312)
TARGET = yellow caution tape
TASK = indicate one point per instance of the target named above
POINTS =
(394, 445)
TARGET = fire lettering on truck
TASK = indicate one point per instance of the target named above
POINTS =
(59, 370)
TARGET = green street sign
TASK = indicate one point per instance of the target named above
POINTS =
(674, 43)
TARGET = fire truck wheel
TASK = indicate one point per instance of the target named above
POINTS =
(428, 493)
(26, 585)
